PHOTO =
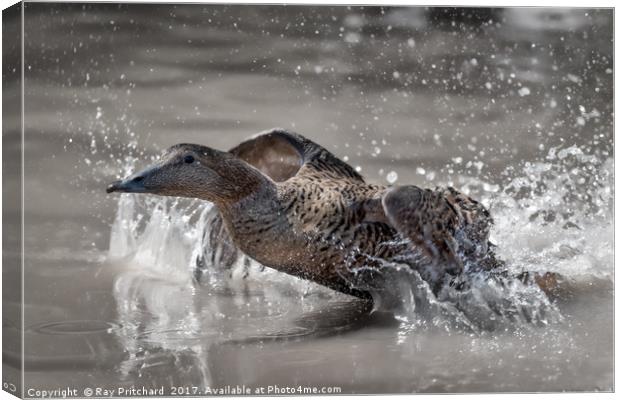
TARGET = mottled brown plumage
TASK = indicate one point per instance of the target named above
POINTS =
(291, 205)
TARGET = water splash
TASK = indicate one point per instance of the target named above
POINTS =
(557, 216)
(162, 236)
(551, 216)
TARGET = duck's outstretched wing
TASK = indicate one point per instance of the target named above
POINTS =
(444, 224)
(281, 155)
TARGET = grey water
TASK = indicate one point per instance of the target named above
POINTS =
(513, 106)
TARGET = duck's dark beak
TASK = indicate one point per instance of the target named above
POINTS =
(133, 184)
(136, 183)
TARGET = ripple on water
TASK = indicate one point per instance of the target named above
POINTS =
(74, 327)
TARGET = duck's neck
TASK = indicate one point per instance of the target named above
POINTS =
(238, 182)
(260, 200)
(247, 189)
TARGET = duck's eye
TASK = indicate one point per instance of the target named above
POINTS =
(188, 159)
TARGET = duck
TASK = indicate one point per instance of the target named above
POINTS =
(293, 206)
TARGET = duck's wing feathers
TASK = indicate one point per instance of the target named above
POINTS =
(218, 250)
(446, 225)
(282, 155)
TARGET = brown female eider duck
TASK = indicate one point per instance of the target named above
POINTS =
(291, 205)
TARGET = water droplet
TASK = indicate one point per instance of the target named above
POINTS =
(524, 91)
(391, 177)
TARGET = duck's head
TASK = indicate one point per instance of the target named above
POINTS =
(195, 171)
